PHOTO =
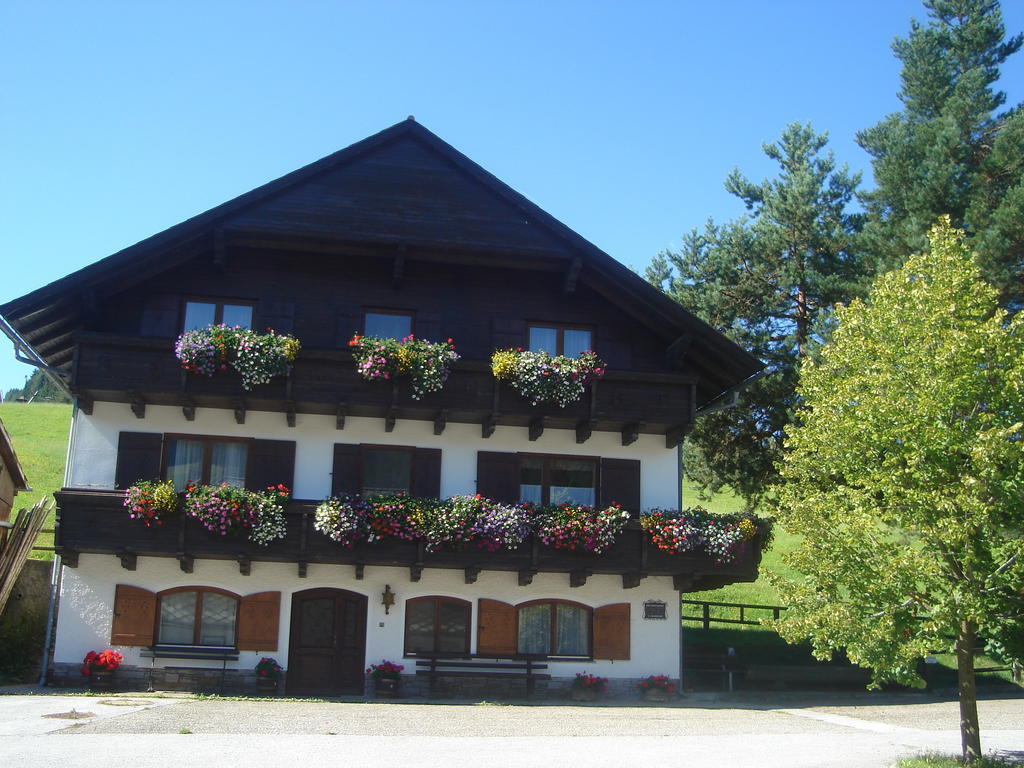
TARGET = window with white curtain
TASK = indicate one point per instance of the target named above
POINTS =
(205, 460)
(554, 628)
(197, 616)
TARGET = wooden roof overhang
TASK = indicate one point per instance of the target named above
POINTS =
(48, 318)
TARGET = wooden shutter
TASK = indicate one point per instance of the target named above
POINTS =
(428, 325)
(426, 473)
(138, 457)
(160, 315)
(611, 631)
(270, 462)
(497, 476)
(134, 616)
(276, 313)
(620, 482)
(496, 628)
(258, 618)
(347, 475)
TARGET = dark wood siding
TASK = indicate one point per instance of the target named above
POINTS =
(347, 474)
(620, 482)
(138, 457)
(426, 473)
(270, 462)
(161, 315)
(497, 476)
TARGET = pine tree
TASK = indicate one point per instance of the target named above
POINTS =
(767, 280)
(951, 151)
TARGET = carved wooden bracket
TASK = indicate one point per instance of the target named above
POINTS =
(526, 577)
(244, 564)
(440, 421)
(572, 275)
(631, 580)
(138, 404)
(240, 411)
(186, 562)
(188, 408)
(415, 572)
(360, 571)
(128, 559)
(578, 578)
(584, 429)
(471, 574)
(303, 569)
(537, 427)
(289, 413)
(339, 416)
(85, 403)
(631, 431)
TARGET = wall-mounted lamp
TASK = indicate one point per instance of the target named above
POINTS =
(388, 599)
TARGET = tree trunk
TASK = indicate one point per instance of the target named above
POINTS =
(970, 735)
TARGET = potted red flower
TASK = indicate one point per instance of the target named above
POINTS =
(99, 668)
(268, 672)
(587, 687)
(657, 688)
(387, 678)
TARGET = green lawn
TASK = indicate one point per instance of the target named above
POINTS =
(39, 432)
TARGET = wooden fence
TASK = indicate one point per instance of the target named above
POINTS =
(735, 613)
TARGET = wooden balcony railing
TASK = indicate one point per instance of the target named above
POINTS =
(96, 522)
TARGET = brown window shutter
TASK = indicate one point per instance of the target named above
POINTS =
(497, 476)
(160, 315)
(138, 457)
(426, 473)
(347, 475)
(134, 616)
(611, 631)
(270, 462)
(620, 482)
(258, 617)
(496, 628)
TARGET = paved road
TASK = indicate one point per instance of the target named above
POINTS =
(851, 731)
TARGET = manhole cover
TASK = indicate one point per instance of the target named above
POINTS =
(125, 702)
(72, 715)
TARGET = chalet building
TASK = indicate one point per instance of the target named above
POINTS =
(398, 234)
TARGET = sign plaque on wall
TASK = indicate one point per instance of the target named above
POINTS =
(654, 609)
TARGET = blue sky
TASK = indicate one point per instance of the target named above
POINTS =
(621, 119)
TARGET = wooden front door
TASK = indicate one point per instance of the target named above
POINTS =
(328, 642)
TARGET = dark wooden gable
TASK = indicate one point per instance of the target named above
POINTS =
(401, 191)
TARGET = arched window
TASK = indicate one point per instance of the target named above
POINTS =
(197, 616)
(437, 625)
(555, 628)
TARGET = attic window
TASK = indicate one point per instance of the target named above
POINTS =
(388, 324)
(560, 340)
(200, 314)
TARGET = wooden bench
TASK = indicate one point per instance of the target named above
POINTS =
(189, 652)
(512, 668)
(704, 660)
(782, 675)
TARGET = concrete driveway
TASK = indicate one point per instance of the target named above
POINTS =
(762, 731)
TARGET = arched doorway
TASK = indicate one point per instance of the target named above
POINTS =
(327, 649)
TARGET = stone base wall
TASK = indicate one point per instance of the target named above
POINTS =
(236, 682)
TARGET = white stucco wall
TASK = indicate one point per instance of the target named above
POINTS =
(94, 449)
(87, 595)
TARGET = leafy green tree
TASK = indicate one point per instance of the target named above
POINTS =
(950, 150)
(767, 280)
(39, 386)
(905, 477)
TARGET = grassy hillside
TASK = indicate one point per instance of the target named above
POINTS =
(39, 432)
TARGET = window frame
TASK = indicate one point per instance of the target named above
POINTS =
(545, 489)
(197, 624)
(554, 602)
(364, 447)
(559, 329)
(218, 309)
(437, 599)
(208, 441)
(411, 314)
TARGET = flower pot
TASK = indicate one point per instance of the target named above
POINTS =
(658, 694)
(583, 694)
(101, 679)
(387, 687)
(266, 686)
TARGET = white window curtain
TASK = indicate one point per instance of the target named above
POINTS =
(218, 620)
(184, 463)
(228, 463)
(177, 618)
(572, 635)
(535, 628)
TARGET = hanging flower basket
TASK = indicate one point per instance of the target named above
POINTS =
(541, 378)
(151, 501)
(256, 357)
(226, 509)
(426, 364)
(692, 530)
(580, 528)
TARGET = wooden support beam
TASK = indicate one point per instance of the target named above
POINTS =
(240, 411)
(584, 429)
(537, 427)
(69, 557)
(339, 416)
(440, 421)
(471, 574)
(85, 403)
(526, 577)
(488, 426)
(631, 431)
(415, 572)
(244, 564)
(188, 408)
(676, 352)
(390, 418)
(675, 435)
(578, 578)
(683, 582)
(399, 268)
(303, 569)
(128, 559)
(186, 562)
(631, 580)
(219, 251)
(572, 274)
(289, 413)
(360, 571)
(138, 404)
